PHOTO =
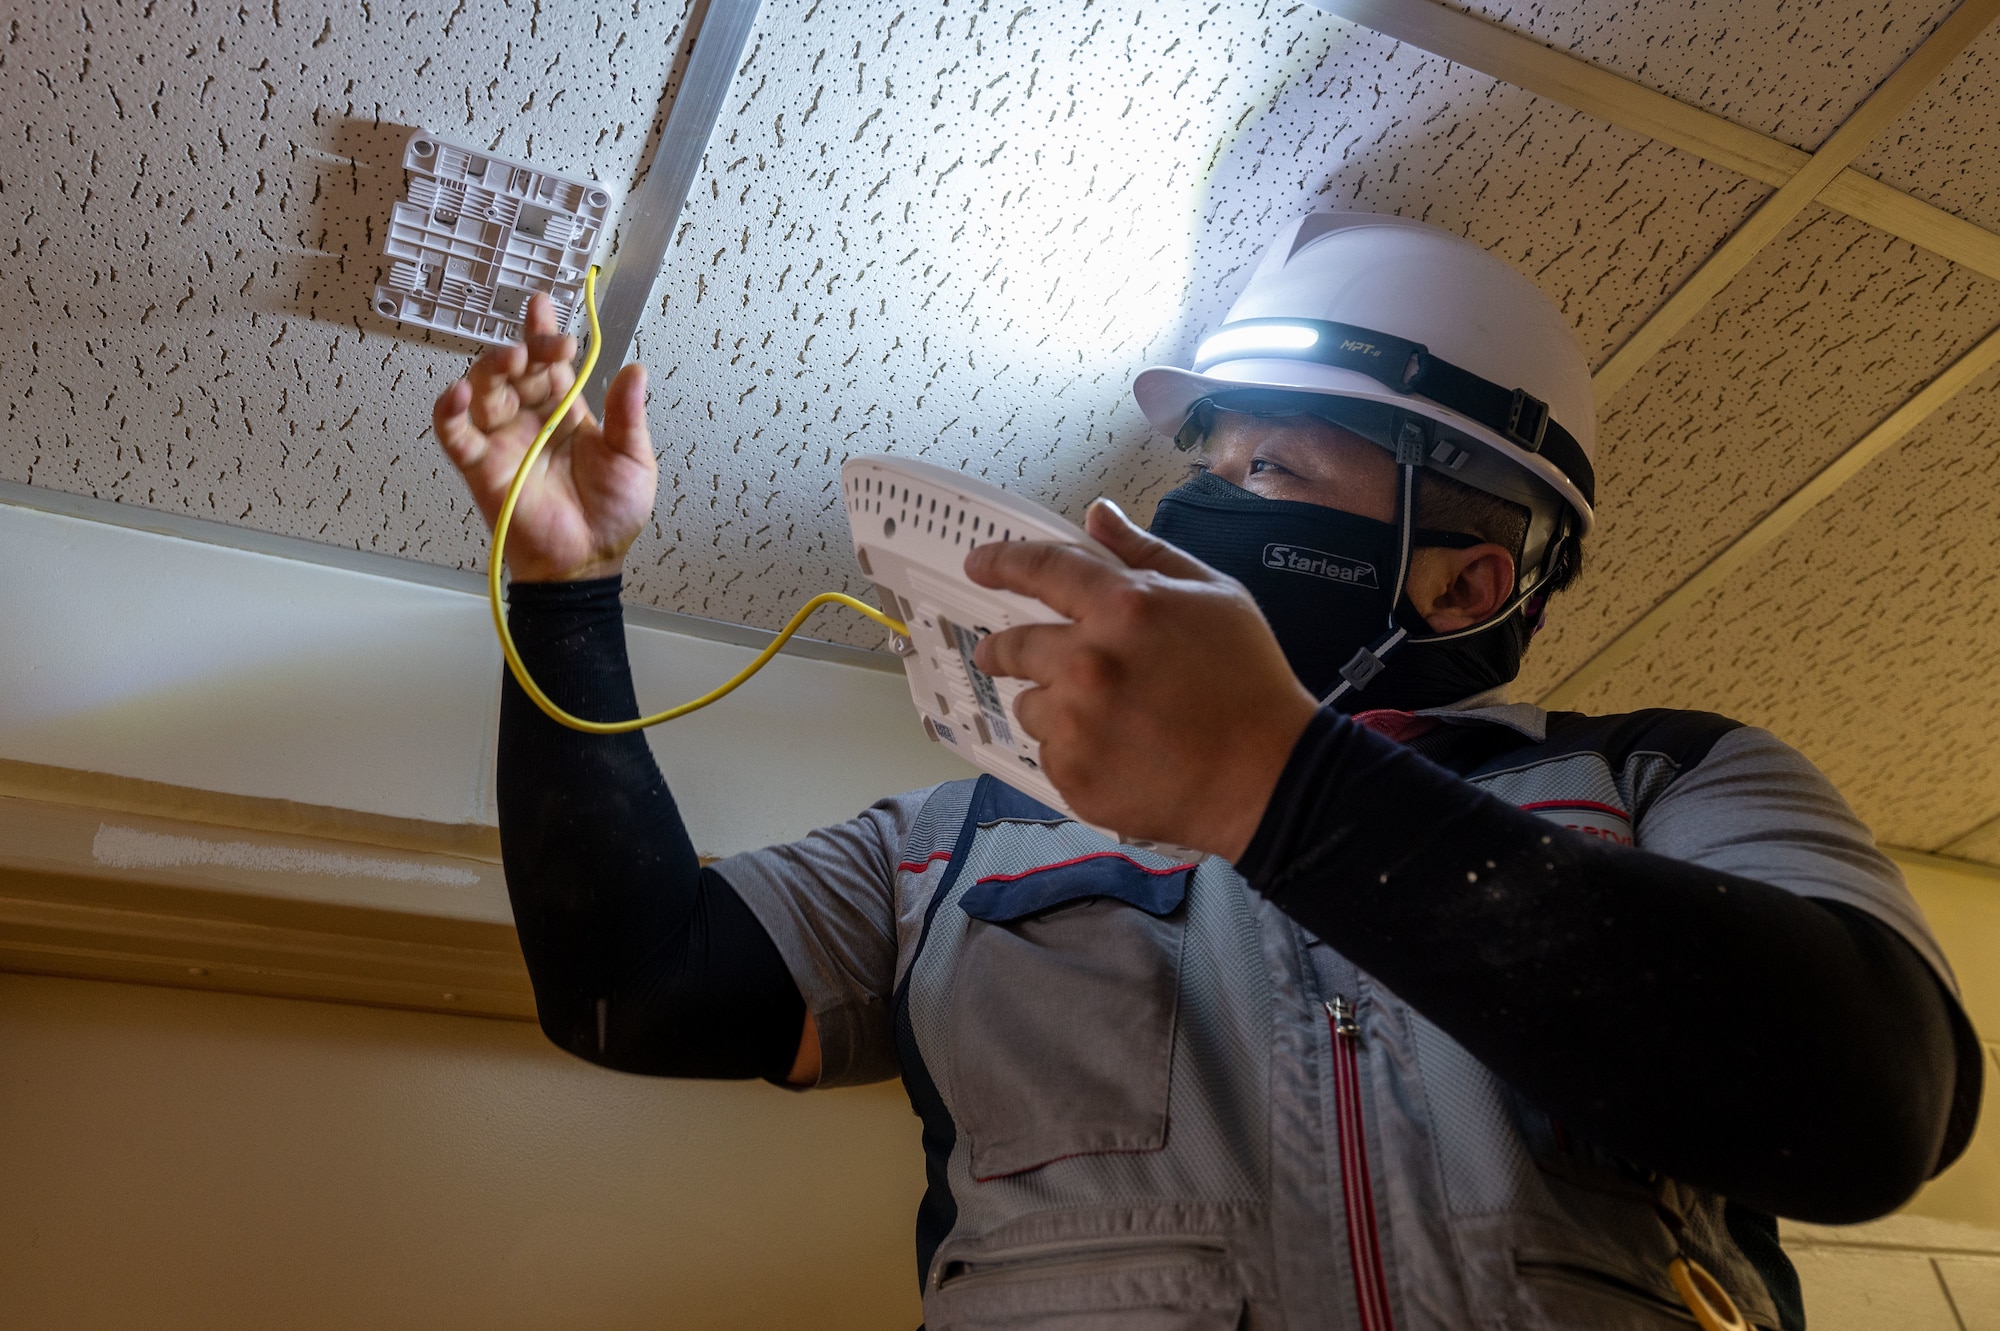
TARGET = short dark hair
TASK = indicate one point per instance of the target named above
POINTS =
(1445, 503)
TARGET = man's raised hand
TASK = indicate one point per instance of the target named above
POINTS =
(1165, 709)
(591, 490)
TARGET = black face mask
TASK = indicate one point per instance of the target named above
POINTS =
(1323, 579)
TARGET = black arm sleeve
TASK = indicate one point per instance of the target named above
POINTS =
(641, 959)
(1791, 1054)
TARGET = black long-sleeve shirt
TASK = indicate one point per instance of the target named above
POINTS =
(642, 959)
(1793, 1054)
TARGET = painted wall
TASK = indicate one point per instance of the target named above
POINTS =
(181, 1159)
(373, 685)
(1935, 1266)
(178, 1159)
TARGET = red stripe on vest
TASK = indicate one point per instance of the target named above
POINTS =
(1364, 1241)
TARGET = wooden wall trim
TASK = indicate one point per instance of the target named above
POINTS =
(50, 925)
(97, 893)
(123, 794)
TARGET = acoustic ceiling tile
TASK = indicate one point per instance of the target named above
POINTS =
(1941, 150)
(1981, 843)
(1791, 70)
(946, 234)
(1869, 636)
(1823, 335)
(195, 221)
(1049, 199)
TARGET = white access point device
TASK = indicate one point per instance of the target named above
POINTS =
(912, 524)
(479, 234)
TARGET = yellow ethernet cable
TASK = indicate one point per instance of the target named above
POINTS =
(514, 662)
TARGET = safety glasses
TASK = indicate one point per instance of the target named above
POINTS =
(1268, 405)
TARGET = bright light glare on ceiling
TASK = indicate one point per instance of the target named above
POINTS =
(1077, 241)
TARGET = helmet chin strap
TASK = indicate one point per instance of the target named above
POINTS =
(1368, 662)
(1371, 661)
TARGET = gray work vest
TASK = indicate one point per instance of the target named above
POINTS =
(1152, 1101)
(1144, 1107)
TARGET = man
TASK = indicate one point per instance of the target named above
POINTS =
(1473, 1014)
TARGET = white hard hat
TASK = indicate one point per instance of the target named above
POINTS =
(1437, 350)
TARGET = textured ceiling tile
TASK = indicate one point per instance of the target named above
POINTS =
(947, 229)
(957, 231)
(192, 205)
(1942, 148)
(1869, 636)
(959, 236)
(1791, 70)
(1982, 844)
(1822, 336)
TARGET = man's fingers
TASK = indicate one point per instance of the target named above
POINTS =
(480, 459)
(1062, 576)
(1025, 652)
(1029, 711)
(1138, 547)
(578, 419)
(494, 401)
(545, 349)
(454, 430)
(625, 429)
(496, 364)
(1067, 578)
(542, 388)
(541, 320)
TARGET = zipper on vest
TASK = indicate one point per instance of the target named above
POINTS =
(1364, 1240)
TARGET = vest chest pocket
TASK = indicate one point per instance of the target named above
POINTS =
(1062, 1011)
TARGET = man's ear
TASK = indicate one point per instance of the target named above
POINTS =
(1456, 589)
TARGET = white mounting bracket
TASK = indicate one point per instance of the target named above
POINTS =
(478, 235)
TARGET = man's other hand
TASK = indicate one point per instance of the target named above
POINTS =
(592, 488)
(1165, 710)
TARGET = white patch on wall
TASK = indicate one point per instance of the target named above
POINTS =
(130, 848)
